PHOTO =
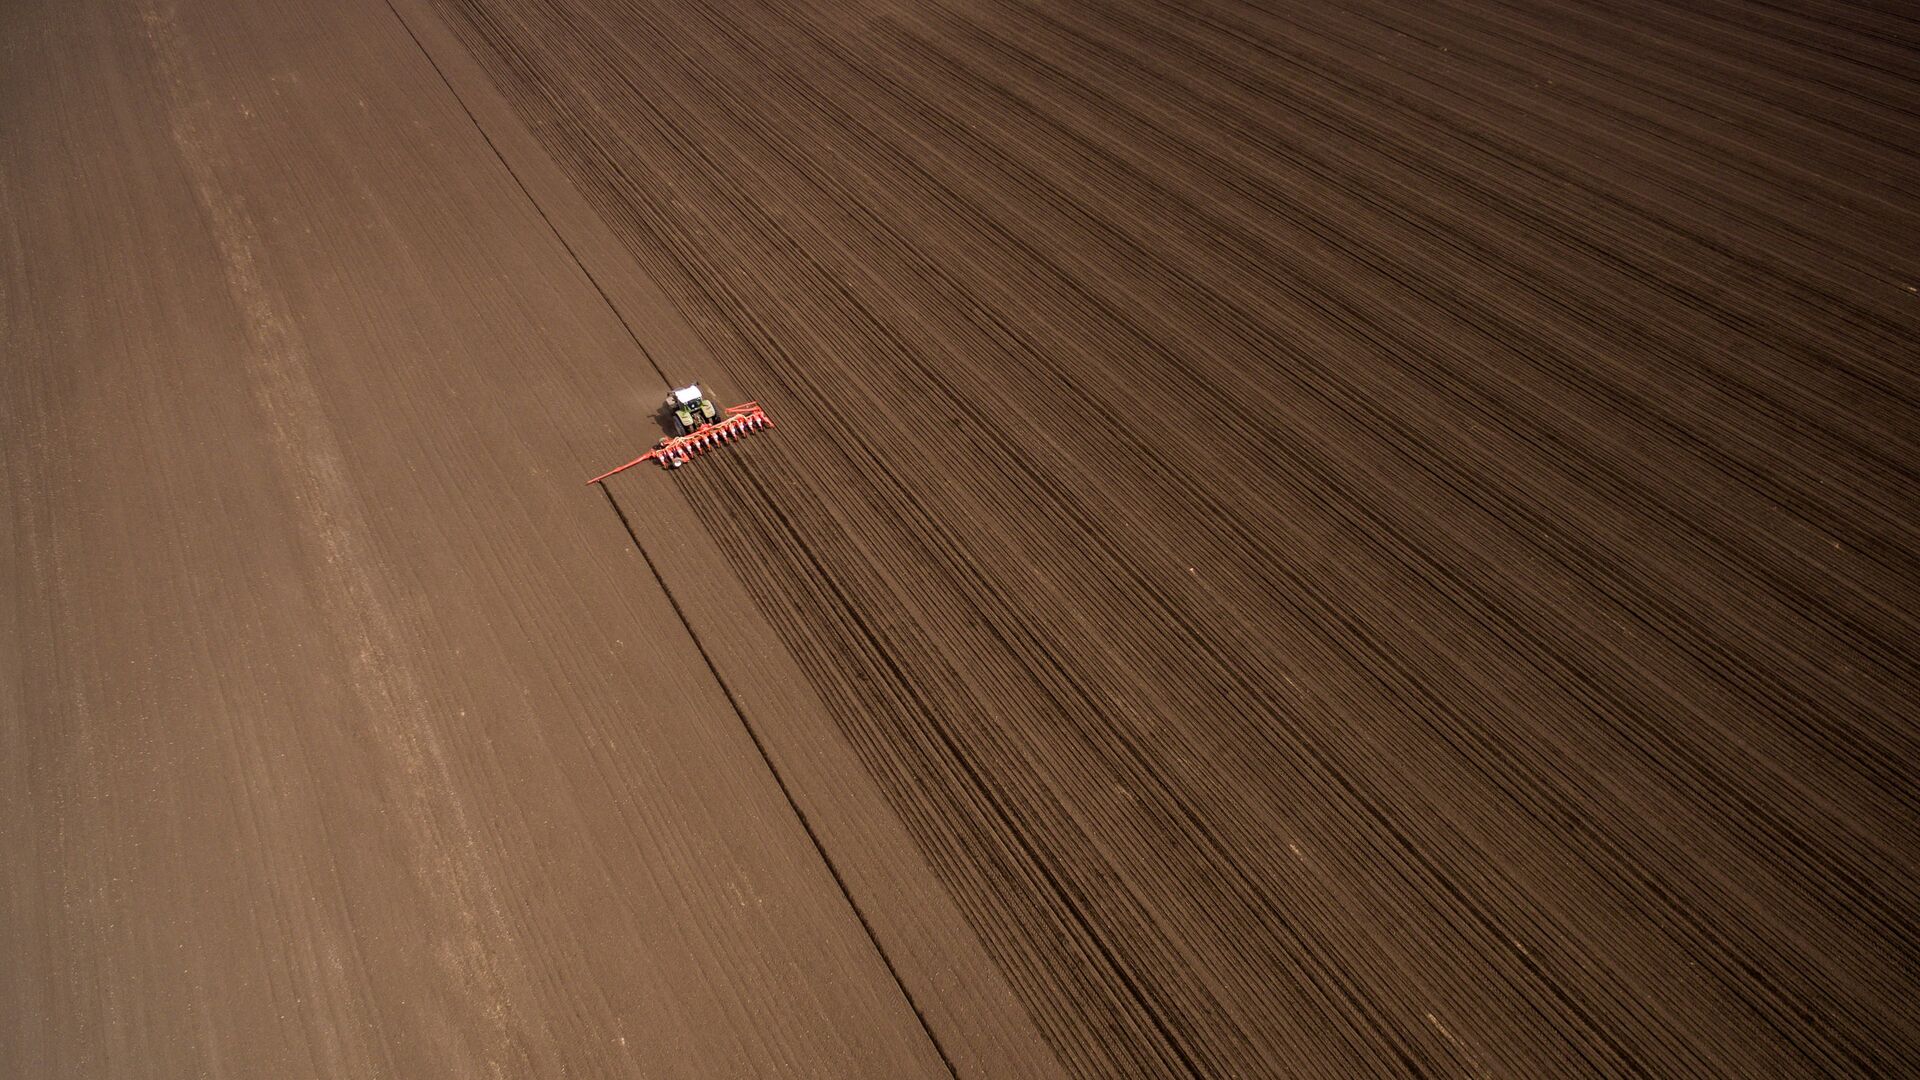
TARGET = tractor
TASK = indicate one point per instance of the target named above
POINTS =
(690, 409)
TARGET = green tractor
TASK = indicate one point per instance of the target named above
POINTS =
(691, 410)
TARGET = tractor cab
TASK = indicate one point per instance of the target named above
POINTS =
(691, 409)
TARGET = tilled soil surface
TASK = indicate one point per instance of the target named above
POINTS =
(1368, 539)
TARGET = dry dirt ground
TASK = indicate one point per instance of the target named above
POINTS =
(1355, 539)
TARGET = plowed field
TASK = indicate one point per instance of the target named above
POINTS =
(1342, 540)
(1370, 538)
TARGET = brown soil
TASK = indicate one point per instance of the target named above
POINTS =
(1375, 539)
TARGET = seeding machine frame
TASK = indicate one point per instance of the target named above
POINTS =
(676, 450)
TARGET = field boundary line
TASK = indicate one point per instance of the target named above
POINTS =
(774, 770)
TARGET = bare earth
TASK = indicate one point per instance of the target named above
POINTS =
(1376, 539)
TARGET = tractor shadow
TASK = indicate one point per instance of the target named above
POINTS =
(663, 419)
